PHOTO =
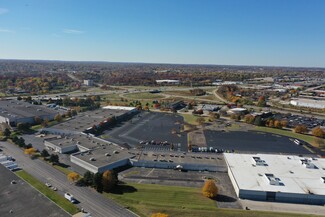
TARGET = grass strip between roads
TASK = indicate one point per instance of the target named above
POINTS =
(52, 195)
(145, 199)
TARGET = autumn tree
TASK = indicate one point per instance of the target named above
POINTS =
(277, 124)
(58, 118)
(261, 101)
(284, 123)
(249, 119)
(210, 189)
(73, 177)
(37, 120)
(318, 132)
(30, 151)
(301, 129)
(45, 122)
(110, 180)
(159, 215)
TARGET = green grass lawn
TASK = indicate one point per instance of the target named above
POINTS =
(307, 138)
(144, 95)
(52, 195)
(145, 199)
(191, 119)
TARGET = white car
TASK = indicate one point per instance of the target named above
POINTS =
(69, 197)
(48, 184)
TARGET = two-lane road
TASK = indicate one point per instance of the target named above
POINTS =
(90, 200)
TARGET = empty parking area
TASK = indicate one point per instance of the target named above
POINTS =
(256, 142)
(159, 127)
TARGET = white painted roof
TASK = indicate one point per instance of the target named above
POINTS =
(125, 108)
(238, 109)
(289, 169)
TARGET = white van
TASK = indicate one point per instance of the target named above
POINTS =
(69, 197)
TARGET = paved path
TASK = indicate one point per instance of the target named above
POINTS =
(90, 200)
(283, 207)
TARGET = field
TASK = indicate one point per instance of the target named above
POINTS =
(191, 119)
(143, 95)
(52, 195)
(145, 199)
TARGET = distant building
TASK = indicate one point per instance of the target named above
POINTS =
(89, 82)
(167, 81)
(210, 108)
(177, 105)
(217, 83)
(277, 178)
(237, 111)
(309, 103)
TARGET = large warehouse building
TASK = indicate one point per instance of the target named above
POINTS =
(280, 178)
(308, 103)
(13, 112)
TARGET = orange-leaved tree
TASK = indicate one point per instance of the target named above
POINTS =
(30, 151)
(318, 132)
(210, 189)
(73, 177)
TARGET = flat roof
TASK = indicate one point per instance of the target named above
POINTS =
(24, 200)
(104, 155)
(238, 109)
(181, 158)
(87, 119)
(112, 107)
(86, 141)
(310, 101)
(21, 109)
(294, 176)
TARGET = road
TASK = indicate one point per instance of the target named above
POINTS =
(90, 200)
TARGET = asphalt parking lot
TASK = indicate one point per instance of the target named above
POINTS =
(250, 141)
(294, 120)
(151, 126)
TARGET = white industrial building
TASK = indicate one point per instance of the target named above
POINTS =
(309, 103)
(280, 178)
(89, 82)
(237, 111)
(167, 81)
(105, 157)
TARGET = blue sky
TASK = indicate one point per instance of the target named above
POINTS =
(234, 32)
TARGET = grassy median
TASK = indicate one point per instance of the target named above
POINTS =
(52, 195)
(145, 199)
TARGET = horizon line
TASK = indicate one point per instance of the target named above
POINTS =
(162, 63)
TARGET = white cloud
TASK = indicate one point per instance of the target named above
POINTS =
(73, 31)
(6, 30)
(3, 11)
